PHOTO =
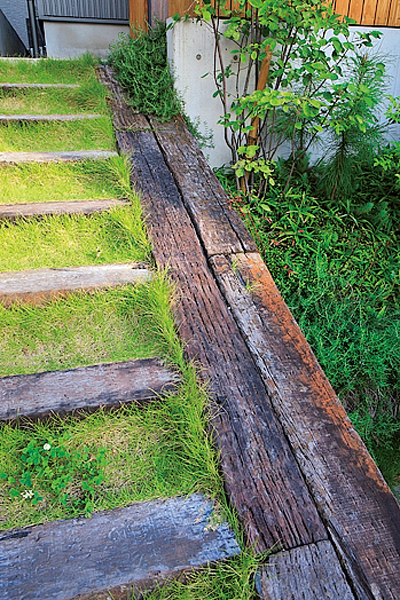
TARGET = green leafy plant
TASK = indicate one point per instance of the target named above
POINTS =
(53, 470)
(296, 79)
(141, 66)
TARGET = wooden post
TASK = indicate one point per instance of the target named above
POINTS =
(138, 14)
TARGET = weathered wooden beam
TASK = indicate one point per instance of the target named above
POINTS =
(24, 157)
(38, 209)
(136, 546)
(53, 117)
(285, 574)
(219, 226)
(349, 490)
(23, 86)
(39, 284)
(37, 395)
(261, 475)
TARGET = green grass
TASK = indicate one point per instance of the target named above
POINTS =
(48, 70)
(229, 580)
(57, 182)
(155, 452)
(93, 134)
(113, 236)
(91, 97)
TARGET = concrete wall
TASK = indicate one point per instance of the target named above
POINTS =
(191, 55)
(16, 12)
(70, 40)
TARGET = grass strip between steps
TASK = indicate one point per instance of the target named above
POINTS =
(90, 97)
(114, 236)
(62, 182)
(147, 453)
(49, 70)
(93, 134)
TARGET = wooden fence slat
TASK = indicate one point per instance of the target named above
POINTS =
(382, 12)
(136, 546)
(348, 488)
(39, 209)
(37, 395)
(37, 284)
(138, 14)
(220, 227)
(317, 564)
(342, 7)
(394, 17)
(369, 12)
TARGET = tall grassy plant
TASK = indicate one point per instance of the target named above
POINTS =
(141, 66)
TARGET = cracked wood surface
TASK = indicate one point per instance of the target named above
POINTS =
(346, 484)
(243, 423)
(38, 209)
(261, 475)
(116, 550)
(40, 394)
(39, 284)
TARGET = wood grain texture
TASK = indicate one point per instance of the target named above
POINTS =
(138, 14)
(283, 577)
(39, 284)
(219, 226)
(352, 496)
(261, 475)
(382, 12)
(23, 157)
(53, 117)
(23, 86)
(73, 207)
(133, 546)
(37, 395)
(369, 12)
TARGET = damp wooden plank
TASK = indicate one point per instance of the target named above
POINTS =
(37, 209)
(24, 157)
(37, 284)
(52, 117)
(134, 546)
(23, 86)
(262, 478)
(285, 574)
(359, 508)
(219, 226)
(39, 394)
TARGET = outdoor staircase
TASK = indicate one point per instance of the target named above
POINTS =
(128, 548)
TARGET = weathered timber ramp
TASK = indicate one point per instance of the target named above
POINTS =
(136, 546)
(296, 471)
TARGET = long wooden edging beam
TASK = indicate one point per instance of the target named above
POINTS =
(316, 488)
(119, 550)
(73, 207)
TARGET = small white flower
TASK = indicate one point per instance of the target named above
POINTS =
(46, 447)
(27, 494)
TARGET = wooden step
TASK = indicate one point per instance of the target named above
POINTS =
(53, 117)
(40, 394)
(38, 209)
(138, 546)
(24, 157)
(22, 86)
(38, 284)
